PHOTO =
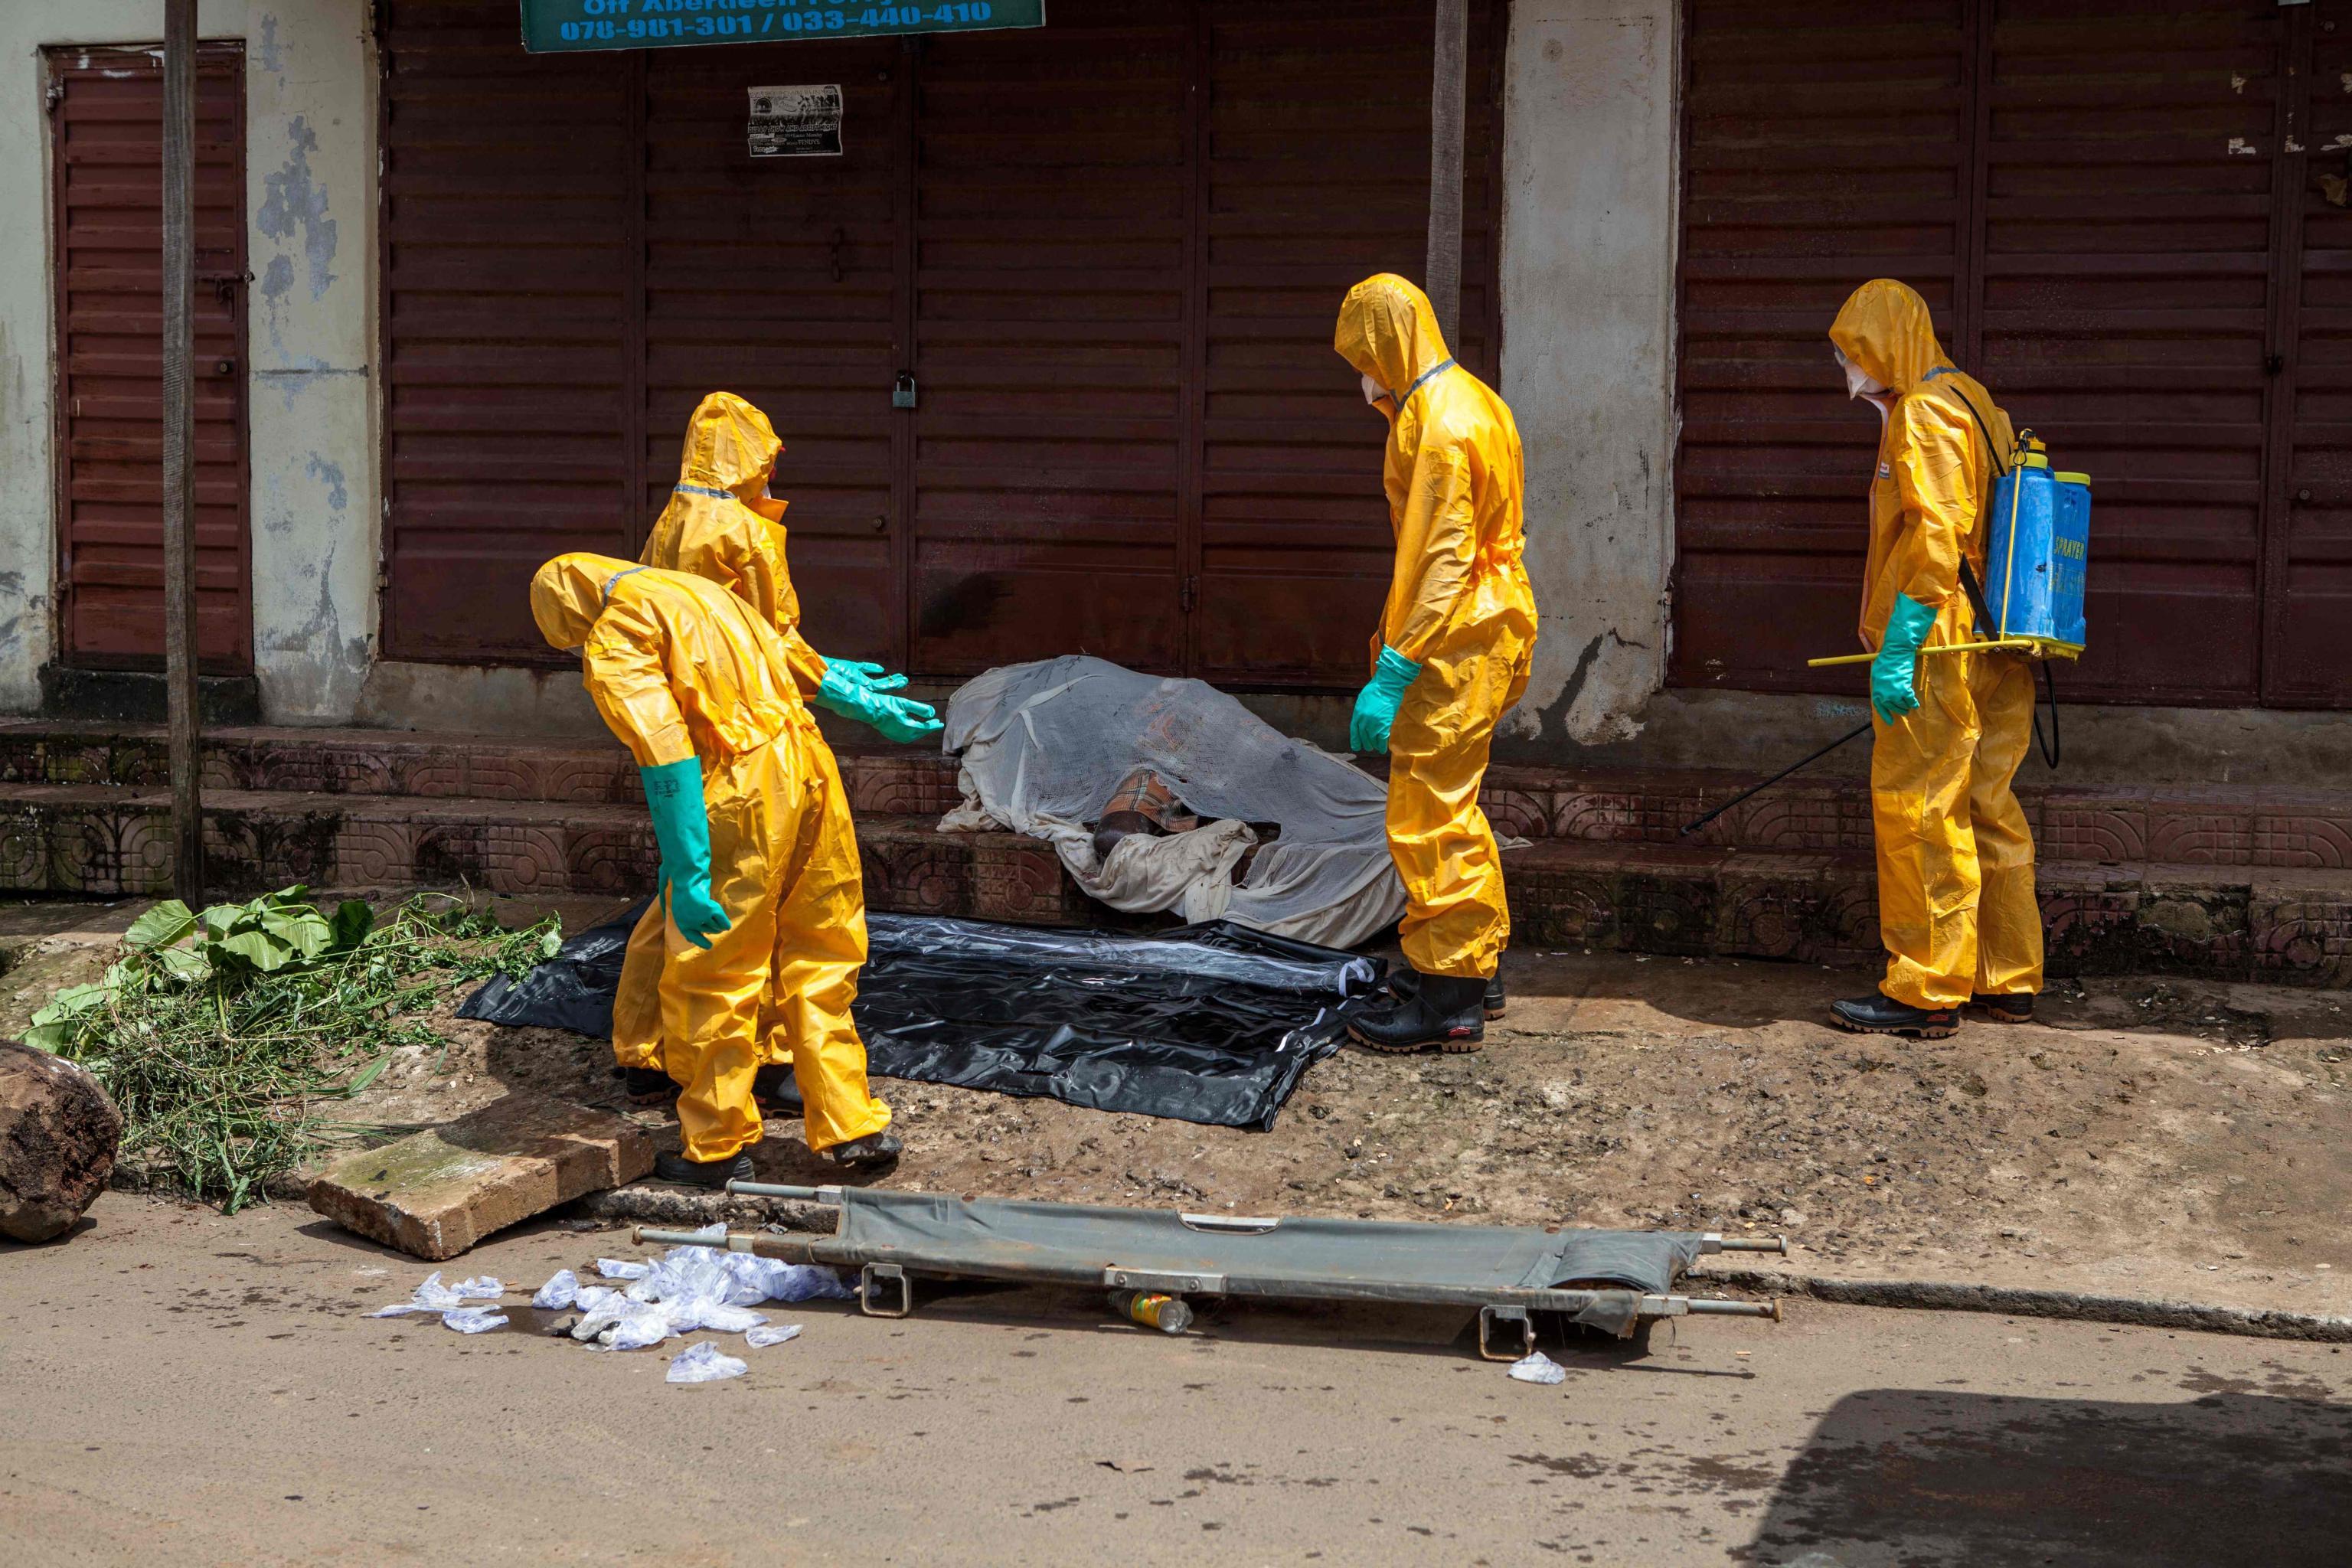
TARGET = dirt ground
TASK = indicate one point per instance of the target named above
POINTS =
(2150, 1137)
(191, 1389)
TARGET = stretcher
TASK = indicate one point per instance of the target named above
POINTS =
(1614, 1280)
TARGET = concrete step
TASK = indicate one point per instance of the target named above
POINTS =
(110, 841)
(416, 763)
(2300, 829)
(1816, 907)
(2275, 925)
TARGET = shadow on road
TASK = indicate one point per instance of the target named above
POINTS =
(1917, 1477)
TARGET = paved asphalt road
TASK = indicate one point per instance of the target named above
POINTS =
(180, 1388)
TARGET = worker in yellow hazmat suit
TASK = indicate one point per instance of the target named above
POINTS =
(722, 524)
(761, 904)
(1956, 903)
(1451, 657)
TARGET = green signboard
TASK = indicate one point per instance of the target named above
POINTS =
(551, 26)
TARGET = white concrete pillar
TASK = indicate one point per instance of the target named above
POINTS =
(1591, 223)
(310, 191)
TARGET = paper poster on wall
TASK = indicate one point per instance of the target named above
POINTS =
(796, 121)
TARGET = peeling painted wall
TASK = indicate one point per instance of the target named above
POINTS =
(1589, 227)
(311, 204)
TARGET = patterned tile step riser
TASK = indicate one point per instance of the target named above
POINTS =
(1820, 909)
(2169, 826)
(2314, 833)
(391, 763)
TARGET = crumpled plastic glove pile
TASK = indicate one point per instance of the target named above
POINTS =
(686, 1289)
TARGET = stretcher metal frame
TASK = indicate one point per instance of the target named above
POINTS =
(886, 1284)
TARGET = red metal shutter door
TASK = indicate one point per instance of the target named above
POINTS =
(2126, 251)
(107, 187)
(776, 279)
(1824, 146)
(1316, 145)
(2084, 191)
(510, 371)
(2308, 662)
(1050, 192)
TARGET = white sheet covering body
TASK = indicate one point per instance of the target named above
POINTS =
(1045, 745)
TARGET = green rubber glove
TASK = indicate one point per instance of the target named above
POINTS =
(1377, 703)
(899, 718)
(873, 676)
(1893, 674)
(674, 795)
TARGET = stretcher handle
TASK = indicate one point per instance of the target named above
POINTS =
(1714, 1241)
(1943, 647)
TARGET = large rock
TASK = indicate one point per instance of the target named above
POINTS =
(57, 1135)
(435, 1193)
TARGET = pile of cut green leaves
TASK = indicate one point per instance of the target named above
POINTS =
(219, 1034)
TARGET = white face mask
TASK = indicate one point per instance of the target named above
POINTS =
(1858, 381)
(1373, 392)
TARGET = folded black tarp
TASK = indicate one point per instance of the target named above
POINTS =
(1212, 1023)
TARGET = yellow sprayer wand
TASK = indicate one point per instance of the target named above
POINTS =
(2026, 643)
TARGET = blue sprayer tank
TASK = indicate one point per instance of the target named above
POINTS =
(2036, 553)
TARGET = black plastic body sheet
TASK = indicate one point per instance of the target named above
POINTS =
(1213, 1023)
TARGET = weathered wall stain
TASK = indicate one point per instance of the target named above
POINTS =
(294, 200)
(332, 476)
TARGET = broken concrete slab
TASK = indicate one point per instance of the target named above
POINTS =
(437, 1192)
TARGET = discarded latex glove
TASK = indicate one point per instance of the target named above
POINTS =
(717, 1316)
(1537, 1367)
(766, 1335)
(634, 1333)
(560, 1292)
(595, 1317)
(620, 1268)
(474, 1320)
(618, 1323)
(703, 1363)
(434, 1296)
(776, 1281)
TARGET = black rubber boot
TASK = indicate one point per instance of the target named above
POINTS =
(1405, 981)
(1443, 1014)
(2011, 1010)
(646, 1086)
(712, 1173)
(776, 1093)
(869, 1152)
(1878, 1014)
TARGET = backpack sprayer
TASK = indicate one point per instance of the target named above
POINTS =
(2037, 555)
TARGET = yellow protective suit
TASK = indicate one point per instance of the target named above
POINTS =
(719, 525)
(678, 667)
(1956, 902)
(1459, 605)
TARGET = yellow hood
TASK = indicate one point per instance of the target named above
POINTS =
(1883, 327)
(567, 594)
(730, 445)
(1388, 332)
